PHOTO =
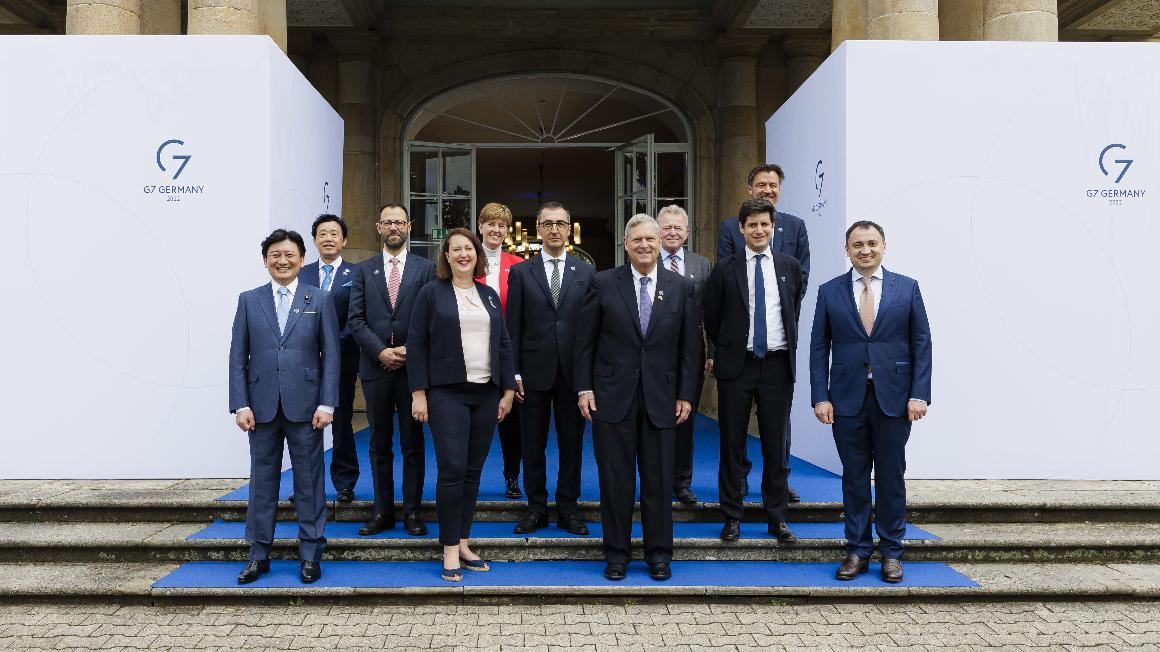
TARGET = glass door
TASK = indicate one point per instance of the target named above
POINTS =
(440, 182)
(635, 185)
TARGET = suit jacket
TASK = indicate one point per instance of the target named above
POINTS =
(697, 269)
(340, 299)
(435, 341)
(789, 237)
(727, 310)
(898, 350)
(298, 369)
(373, 323)
(506, 262)
(544, 336)
(613, 356)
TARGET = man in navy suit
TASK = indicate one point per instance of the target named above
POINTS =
(752, 302)
(638, 350)
(545, 297)
(333, 274)
(381, 299)
(284, 368)
(789, 237)
(870, 367)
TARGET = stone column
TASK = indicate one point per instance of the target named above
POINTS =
(961, 20)
(847, 22)
(161, 17)
(771, 89)
(357, 74)
(737, 118)
(904, 20)
(239, 17)
(103, 17)
(803, 55)
(1021, 20)
(273, 21)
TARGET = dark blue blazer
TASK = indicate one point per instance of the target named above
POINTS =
(544, 335)
(789, 237)
(340, 299)
(373, 323)
(435, 341)
(298, 370)
(898, 349)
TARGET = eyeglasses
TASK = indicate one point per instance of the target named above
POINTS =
(559, 226)
(397, 224)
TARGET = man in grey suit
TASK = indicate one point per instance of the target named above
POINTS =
(284, 369)
(674, 222)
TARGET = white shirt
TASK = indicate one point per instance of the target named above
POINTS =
(475, 329)
(494, 263)
(548, 266)
(333, 275)
(651, 288)
(775, 339)
(680, 254)
(402, 257)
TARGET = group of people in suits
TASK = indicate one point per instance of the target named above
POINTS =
(480, 337)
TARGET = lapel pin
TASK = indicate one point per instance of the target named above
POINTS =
(492, 302)
(376, 272)
(573, 268)
(346, 271)
(297, 310)
(305, 300)
(779, 229)
(783, 279)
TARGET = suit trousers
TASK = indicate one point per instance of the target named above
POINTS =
(511, 442)
(635, 442)
(266, 444)
(768, 383)
(344, 459)
(683, 476)
(462, 419)
(872, 440)
(389, 396)
(537, 409)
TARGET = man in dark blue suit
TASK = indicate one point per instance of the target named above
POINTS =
(789, 237)
(381, 298)
(333, 274)
(284, 368)
(870, 367)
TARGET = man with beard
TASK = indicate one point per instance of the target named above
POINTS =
(637, 356)
(381, 299)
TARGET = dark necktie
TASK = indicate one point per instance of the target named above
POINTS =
(759, 329)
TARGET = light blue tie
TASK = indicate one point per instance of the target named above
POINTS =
(645, 305)
(283, 309)
(326, 280)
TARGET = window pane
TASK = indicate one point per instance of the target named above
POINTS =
(671, 176)
(423, 215)
(457, 214)
(457, 173)
(423, 171)
(641, 172)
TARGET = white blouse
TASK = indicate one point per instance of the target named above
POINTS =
(475, 327)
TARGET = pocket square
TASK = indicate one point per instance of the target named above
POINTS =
(348, 284)
(310, 312)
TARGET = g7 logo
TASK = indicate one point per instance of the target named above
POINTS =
(1127, 163)
(819, 178)
(184, 158)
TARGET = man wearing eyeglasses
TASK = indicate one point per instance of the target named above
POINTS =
(381, 299)
(545, 297)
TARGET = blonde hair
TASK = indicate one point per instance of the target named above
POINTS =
(494, 212)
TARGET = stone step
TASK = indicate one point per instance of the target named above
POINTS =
(966, 542)
(133, 583)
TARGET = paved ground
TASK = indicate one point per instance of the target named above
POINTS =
(1119, 625)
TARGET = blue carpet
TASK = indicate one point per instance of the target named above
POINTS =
(224, 530)
(815, 484)
(404, 574)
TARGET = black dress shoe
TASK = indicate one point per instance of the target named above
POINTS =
(782, 532)
(616, 571)
(531, 522)
(513, 489)
(852, 567)
(892, 570)
(685, 495)
(415, 525)
(377, 524)
(346, 495)
(254, 569)
(572, 524)
(660, 571)
(732, 530)
(794, 496)
(309, 571)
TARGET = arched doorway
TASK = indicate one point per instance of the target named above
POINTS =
(604, 149)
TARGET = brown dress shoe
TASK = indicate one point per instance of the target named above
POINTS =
(852, 567)
(892, 570)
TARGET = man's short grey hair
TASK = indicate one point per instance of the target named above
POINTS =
(673, 209)
(642, 219)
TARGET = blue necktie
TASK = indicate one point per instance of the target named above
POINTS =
(759, 330)
(326, 280)
(283, 309)
(645, 305)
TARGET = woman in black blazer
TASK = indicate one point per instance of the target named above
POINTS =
(461, 372)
